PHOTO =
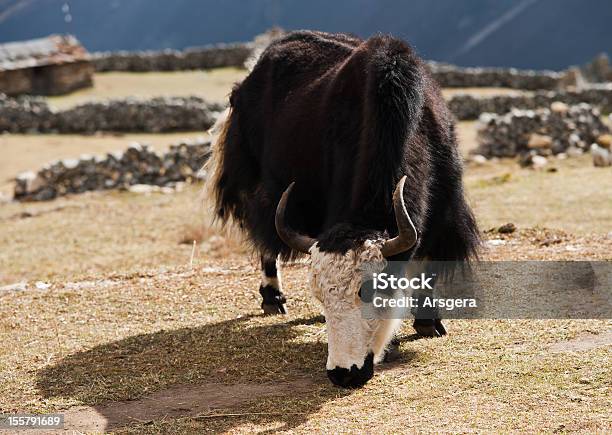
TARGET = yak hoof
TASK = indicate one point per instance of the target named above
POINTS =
(273, 300)
(392, 352)
(429, 328)
(273, 309)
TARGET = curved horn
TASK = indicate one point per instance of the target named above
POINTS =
(407, 236)
(296, 241)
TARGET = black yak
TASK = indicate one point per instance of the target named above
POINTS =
(362, 135)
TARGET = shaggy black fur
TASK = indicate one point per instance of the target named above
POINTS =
(345, 119)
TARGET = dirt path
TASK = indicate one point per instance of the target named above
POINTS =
(583, 343)
(175, 402)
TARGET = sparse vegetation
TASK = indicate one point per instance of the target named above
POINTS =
(126, 315)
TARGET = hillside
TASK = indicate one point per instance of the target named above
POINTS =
(524, 33)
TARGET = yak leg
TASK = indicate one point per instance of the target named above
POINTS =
(427, 322)
(270, 289)
(429, 327)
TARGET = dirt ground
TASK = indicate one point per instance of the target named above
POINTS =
(109, 315)
(213, 85)
(119, 327)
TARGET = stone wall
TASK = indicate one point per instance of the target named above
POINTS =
(31, 114)
(214, 56)
(139, 164)
(451, 76)
(469, 107)
(545, 131)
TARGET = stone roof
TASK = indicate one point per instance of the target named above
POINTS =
(54, 49)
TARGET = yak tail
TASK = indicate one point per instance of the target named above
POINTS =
(213, 168)
(395, 90)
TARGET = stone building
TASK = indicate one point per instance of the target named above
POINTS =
(47, 66)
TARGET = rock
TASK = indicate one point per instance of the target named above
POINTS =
(478, 159)
(143, 188)
(28, 182)
(507, 228)
(601, 156)
(538, 161)
(20, 286)
(561, 156)
(574, 152)
(604, 140)
(496, 242)
(559, 107)
(532, 160)
(40, 285)
(539, 141)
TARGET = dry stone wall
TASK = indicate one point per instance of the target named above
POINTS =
(31, 114)
(451, 76)
(139, 164)
(545, 131)
(214, 56)
(469, 107)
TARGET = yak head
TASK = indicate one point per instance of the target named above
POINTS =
(355, 343)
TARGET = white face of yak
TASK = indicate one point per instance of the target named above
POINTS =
(354, 343)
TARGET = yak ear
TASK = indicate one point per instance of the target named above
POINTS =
(296, 241)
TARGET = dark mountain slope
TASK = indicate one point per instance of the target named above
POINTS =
(521, 33)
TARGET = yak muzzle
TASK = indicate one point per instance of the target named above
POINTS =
(355, 377)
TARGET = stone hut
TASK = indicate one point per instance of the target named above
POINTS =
(54, 65)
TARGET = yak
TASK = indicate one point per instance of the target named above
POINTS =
(343, 149)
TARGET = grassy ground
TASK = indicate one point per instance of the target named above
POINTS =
(131, 330)
(130, 315)
(213, 85)
(575, 198)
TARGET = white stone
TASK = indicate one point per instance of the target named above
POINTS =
(70, 163)
(496, 242)
(42, 285)
(539, 161)
(601, 156)
(478, 159)
(19, 286)
(33, 182)
(143, 188)
(559, 107)
(574, 152)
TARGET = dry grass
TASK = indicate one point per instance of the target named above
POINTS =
(213, 85)
(575, 198)
(102, 233)
(481, 92)
(141, 333)
(126, 315)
